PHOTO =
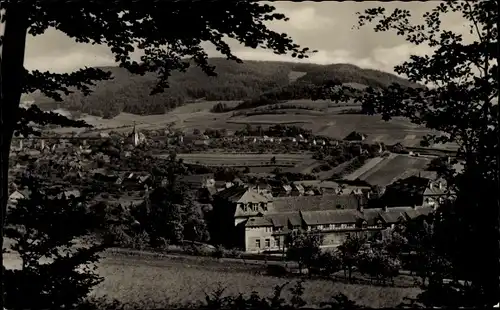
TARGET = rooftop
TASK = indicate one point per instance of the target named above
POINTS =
(242, 194)
(315, 203)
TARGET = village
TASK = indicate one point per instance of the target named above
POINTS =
(250, 211)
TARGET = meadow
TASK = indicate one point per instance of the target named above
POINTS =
(387, 170)
(180, 281)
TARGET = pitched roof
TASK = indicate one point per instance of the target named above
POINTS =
(406, 192)
(435, 190)
(241, 194)
(314, 203)
(330, 217)
(394, 214)
(350, 216)
(258, 222)
(73, 192)
(282, 219)
(298, 187)
(17, 195)
(354, 135)
(195, 178)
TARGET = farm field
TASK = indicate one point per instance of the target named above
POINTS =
(390, 169)
(179, 282)
(240, 160)
(272, 119)
(330, 123)
(366, 167)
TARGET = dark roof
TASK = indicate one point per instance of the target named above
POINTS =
(314, 203)
(331, 217)
(354, 136)
(394, 214)
(258, 222)
(406, 192)
(350, 216)
(282, 219)
(196, 178)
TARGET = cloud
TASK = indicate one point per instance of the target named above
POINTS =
(380, 58)
(386, 59)
(307, 19)
(323, 26)
(69, 62)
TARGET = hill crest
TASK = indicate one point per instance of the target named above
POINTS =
(130, 93)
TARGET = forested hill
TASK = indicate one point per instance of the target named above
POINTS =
(130, 93)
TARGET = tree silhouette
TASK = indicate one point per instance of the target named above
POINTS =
(47, 229)
(458, 86)
(169, 33)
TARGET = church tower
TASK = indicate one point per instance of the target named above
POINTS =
(135, 136)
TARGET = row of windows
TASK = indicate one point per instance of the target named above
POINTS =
(333, 226)
(267, 243)
(254, 207)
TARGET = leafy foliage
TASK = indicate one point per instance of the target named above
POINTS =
(304, 247)
(56, 270)
(169, 216)
(349, 252)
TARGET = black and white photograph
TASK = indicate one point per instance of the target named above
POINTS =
(243, 154)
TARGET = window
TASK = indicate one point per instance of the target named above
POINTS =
(264, 206)
(268, 243)
(257, 243)
(277, 241)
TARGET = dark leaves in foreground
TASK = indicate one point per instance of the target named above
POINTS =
(57, 269)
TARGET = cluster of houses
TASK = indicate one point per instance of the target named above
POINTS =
(258, 217)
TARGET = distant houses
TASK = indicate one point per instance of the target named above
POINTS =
(355, 136)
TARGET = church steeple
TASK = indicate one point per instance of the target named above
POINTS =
(135, 136)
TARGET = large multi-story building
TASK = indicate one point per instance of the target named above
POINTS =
(246, 219)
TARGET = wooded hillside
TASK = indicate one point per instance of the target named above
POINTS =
(130, 93)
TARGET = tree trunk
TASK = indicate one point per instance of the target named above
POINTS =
(12, 76)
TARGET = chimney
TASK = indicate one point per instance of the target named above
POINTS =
(384, 208)
(431, 186)
(440, 185)
(414, 206)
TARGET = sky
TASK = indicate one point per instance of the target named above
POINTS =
(323, 26)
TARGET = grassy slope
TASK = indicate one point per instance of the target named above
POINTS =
(182, 281)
